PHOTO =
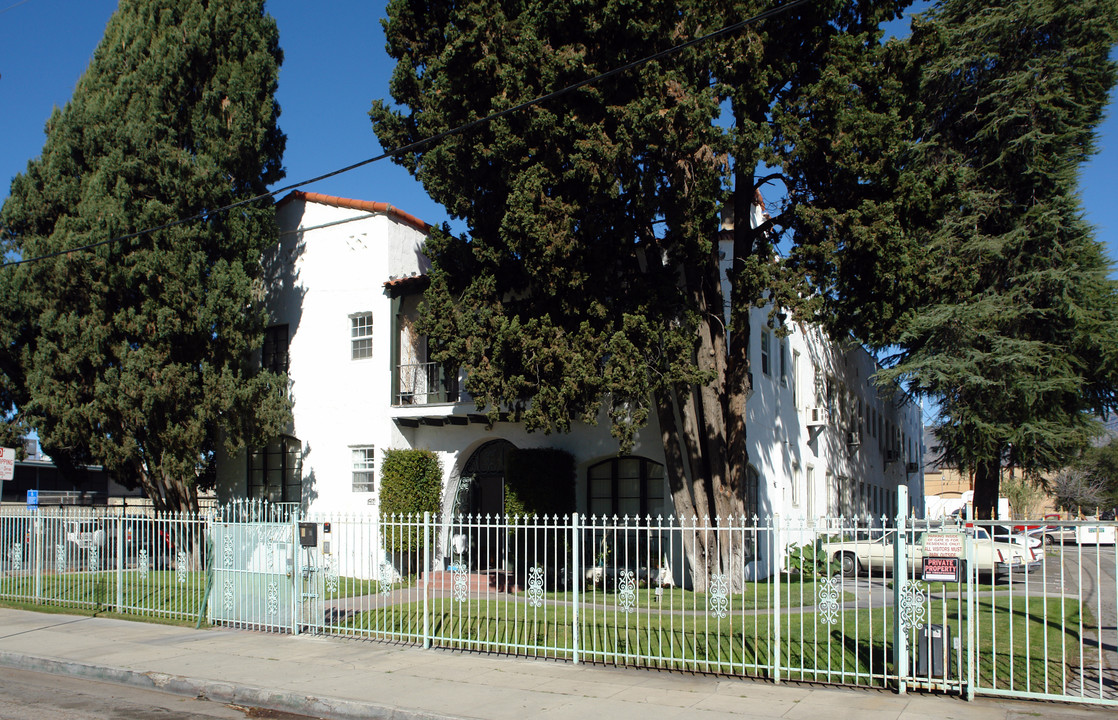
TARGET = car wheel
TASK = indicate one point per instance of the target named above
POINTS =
(850, 564)
(1049, 540)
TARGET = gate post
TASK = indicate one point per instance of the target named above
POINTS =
(968, 553)
(576, 583)
(119, 562)
(900, 581)
(426, 579)
(296, 573)
(776, 546)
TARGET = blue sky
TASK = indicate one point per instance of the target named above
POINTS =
(334, 66)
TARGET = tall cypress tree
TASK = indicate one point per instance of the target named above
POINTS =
(591, 277)
(135, 354)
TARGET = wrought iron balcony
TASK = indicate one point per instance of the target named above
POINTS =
(425, 384)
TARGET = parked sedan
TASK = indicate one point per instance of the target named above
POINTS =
(1003, 533)
(1080, 533)
(990, 556)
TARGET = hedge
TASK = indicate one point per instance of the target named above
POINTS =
(411, 483)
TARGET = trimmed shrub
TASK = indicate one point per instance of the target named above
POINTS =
(411, 483)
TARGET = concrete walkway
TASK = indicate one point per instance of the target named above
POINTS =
(342, 678)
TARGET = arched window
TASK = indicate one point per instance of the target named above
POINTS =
(631, 486)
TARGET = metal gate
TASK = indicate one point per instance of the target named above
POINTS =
(1034, 615)
(254, 572)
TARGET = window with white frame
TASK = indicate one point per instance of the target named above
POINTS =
(361, 335)
(363, 463)
(766, 364)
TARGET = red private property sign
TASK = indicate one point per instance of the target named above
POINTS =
(941, 569)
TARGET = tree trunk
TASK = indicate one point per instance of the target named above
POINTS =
(689, 497)
(167, 495)
(987, 478)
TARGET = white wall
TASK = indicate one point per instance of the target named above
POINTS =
(333, 262)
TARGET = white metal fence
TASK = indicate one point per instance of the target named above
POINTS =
(79, 557)
(851, 601)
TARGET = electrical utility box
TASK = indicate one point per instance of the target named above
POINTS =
(308, 534)
(935, 653)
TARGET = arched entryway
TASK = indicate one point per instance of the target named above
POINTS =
(479, 503)
(481, 487)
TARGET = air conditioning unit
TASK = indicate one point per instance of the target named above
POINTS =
(816, 416)
(853, 439)
(912, 468)
(892, 456)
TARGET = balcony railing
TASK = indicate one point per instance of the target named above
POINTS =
(425, 384)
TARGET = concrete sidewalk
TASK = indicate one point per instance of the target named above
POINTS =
(341, 678)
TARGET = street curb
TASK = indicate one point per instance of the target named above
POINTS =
(221, 692)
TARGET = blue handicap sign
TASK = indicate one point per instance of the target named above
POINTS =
(33, 498)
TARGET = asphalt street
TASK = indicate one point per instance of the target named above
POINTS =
(26, 695)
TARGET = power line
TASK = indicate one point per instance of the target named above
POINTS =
(412, 147)
(13, 7)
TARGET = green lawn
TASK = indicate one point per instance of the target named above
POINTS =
(1030, 637)
(756, 596)
(160, 593)
(357, 587)
(1024, 644)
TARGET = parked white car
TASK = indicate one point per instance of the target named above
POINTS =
(1084, 533)
(1003, 533)
(84, 534)
(990, 556)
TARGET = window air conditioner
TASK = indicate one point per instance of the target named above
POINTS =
(852, 439)
(892, 456)
(816, 417)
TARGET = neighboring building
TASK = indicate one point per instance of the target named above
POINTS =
(85, 485)
(948, 489)
(344, 285)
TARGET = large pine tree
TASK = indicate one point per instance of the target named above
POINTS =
(135, 354)
(1016, 332)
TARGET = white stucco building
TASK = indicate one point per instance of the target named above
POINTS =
(343, 286)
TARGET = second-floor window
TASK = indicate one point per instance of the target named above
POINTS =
(361, 335)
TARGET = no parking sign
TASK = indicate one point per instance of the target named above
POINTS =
(7, 463)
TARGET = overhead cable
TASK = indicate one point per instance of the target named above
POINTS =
(419, 144)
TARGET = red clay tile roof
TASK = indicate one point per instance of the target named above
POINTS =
(406, 285)
(365, 205)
